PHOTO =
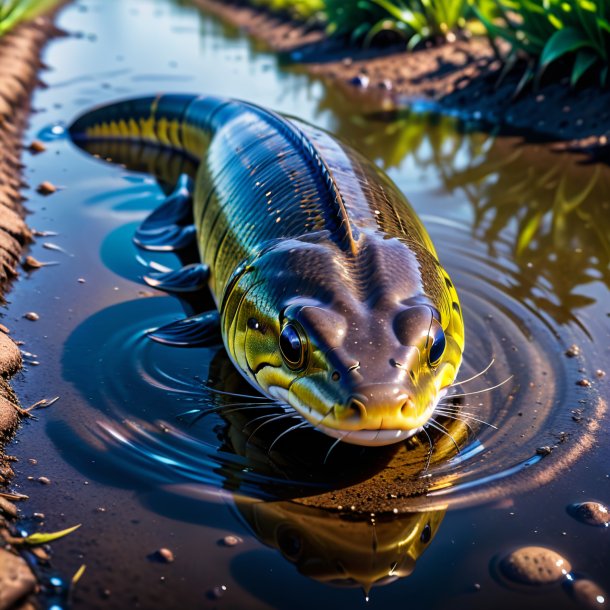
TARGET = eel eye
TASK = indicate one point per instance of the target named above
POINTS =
(437, 349)
(292, 347)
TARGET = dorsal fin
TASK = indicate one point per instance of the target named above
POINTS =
(344, 229)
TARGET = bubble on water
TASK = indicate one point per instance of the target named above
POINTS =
(54, 131)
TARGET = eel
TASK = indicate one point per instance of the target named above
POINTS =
(330, 296)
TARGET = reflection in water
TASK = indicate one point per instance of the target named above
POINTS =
(339, 549)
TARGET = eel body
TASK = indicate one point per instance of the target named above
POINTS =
(330, 295)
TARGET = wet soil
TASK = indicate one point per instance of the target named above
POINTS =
(461, 79)
(20, 59)
(20, 52)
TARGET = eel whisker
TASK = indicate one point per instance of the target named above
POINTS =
(295, 427)
(447, 413)
(493, 387)
(430, 451)
(269, 421)
(474, 376)
(438, 426)
(332, 447)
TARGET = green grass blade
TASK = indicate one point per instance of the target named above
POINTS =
(585, 59)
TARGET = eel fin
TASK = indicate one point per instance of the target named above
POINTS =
(166, 239)
(177, 209)
(169, 227)
(187, 279)
(201, 330)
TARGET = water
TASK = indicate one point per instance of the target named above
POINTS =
(523, 232)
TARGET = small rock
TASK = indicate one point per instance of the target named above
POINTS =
(46, 188)
(16, 578)
(591, 513)
(572, 351)
(599, 373)
(81, 280)
(44, 480)
(165, 555)
(31, 263)
(231, 540)
(32, 461)
(37, 147)
(8, 508)
(587, 593)
(31, 315)
(584, 383)
(385, 84)
(39, 516)
(534, 565)
(546, 450)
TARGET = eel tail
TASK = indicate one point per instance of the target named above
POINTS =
(184, 123)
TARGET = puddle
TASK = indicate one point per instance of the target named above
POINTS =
(145, 457)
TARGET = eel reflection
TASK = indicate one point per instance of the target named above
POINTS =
(340, 549)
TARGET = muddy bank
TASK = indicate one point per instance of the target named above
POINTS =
(20, 60)
(462, 78)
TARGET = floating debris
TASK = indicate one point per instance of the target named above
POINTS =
(572, 351)
(31, 315)
(36, 147)
(44, 233)
(50, 246)
(46, 188)
(591, 513)
(42, 404)
(534, 565)
(44, 480)
(42, 538)
(30, 263)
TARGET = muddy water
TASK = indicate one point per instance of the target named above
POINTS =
(141, 454)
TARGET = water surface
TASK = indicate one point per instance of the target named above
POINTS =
(523, 232)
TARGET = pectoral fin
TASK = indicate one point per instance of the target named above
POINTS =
(201, 330)
(187, 279)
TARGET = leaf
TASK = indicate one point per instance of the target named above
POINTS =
(584, 60)
(527, 232)
(42, 538)
(78, 574)
(560, 43)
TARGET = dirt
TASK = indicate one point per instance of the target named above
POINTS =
(462, 78)
(20, 60)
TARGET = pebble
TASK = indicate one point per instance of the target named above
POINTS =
(586, 593)
(591, 513)
(31, 315)
(46, 188)
(44, 480)
(8, 508)
(585, 383)
(231, 540)
(39, 516)
(16, 579)
(534, 565)
(385, 84)
(165, 555)
(360, 80)
(546, 450)
(599, 373)
(31, 263)
(572, 351)
(37, 147)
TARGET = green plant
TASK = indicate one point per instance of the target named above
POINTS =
(574, 31)
(13, 12)
(298, 9)
(415, 20)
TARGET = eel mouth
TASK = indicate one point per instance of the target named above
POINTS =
(369, 437)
